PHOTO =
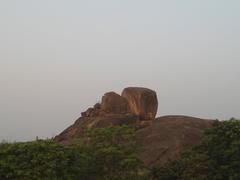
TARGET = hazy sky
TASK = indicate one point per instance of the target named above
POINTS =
(57, 58)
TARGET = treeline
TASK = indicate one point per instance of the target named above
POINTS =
(108, 153)
(216, 158)
(112, 154)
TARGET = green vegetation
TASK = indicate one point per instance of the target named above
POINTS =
(108, 153)
(111, 154)
(216, 158)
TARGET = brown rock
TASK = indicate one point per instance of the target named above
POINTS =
(168, 136)
(114, 103)
(162, 139)
(90, 111)
(76, 130)
(142, 102)
(97, 106)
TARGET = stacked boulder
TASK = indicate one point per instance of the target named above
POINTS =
(161, 139)
(137, 101)
(136, 107)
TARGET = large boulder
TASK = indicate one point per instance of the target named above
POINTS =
(114, 103)
(161, 139)
(142, 102)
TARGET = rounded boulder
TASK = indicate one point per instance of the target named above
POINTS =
(142, 102)
(114, 103)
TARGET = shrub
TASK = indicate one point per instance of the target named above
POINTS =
(222, 145)
(108, 153)
(216, 158)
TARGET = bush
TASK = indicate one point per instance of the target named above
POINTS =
(107, 153)
(217, 157)
(33, 160)
(113, 151)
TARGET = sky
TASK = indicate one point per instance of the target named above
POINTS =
(57, 58)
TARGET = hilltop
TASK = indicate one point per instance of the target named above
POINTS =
(161, 138)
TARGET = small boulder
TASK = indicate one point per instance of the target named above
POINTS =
(97, 106)
(88, 113)
(142, 102)
(114, 103)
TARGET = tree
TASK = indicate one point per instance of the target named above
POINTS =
(107, 153)
(113, 152)
(217, 157)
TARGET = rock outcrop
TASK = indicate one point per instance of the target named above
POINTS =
(142, 101)
(168, 136)
(162, 138)
(136, 101)
(114, 103)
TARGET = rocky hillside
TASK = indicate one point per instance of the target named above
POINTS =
(161, 138)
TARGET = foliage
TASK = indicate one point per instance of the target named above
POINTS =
(33, 160)
(111, 154)
(107, 153)
(216, 158)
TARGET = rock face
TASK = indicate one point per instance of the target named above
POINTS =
(114, 103)
(142, 101)
(136, 101)
(168, 136)
(161, 139)
(75, 131)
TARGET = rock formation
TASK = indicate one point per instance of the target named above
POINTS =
(136, 101)
(162, 138)
(114, 103)
(142, 101)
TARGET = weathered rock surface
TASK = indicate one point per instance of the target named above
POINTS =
(168, 136)
(114, 103)
(76, 130)
(142, 101)
(161, 139)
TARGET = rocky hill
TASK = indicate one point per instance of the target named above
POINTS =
(161, 138)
